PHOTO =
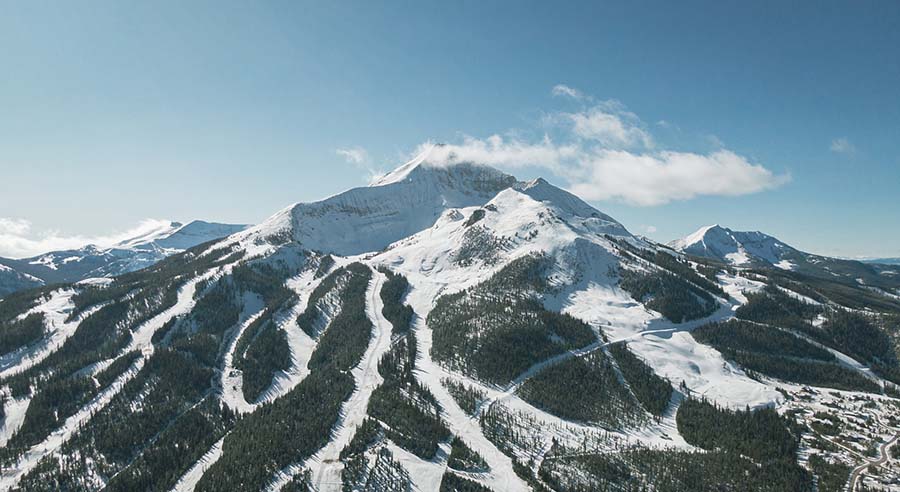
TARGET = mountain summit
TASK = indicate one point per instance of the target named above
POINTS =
(447, 328)
(736, 247)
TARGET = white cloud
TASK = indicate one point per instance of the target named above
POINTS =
(14, 226)
(354, 155)
(19, 240)
(604, 153)
(562, 90)
(650, 229)
(842, 146)
(608, 128)
(656, 179)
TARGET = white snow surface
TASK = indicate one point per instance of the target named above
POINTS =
(56, 308)
(736, 247)
(325, 466)
(188, 482)
(141, 340)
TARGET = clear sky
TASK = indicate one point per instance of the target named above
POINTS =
(775, 116)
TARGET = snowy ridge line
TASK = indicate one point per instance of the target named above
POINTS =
(55, 310)
(141, 340)
(325, 466)
(189, 480)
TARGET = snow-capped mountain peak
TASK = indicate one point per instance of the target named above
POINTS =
(739, 248)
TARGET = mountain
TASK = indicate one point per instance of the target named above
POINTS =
(94, 262)
(449, 327)
(883, 261)
(12, 280)
(759, 250)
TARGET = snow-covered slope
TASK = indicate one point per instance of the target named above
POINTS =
(12, 280)
(737, 247)
(337, 311)
(126, 256)
(755, 249)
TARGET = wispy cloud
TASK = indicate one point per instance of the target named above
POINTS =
(562, 90)
(354, 155)
(604, 152)
(842, 146)
(18, 239)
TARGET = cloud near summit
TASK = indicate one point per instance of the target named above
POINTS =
(605, 152)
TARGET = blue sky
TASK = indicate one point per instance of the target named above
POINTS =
(115, 112)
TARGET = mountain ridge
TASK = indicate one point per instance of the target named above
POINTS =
(449, 325)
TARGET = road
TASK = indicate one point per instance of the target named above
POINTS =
(857, 472)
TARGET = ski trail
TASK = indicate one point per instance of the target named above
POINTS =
(300, 344)
(233, 379)
(14, 410)
(55, 310)
(189, 480)
(325, 465)
(502, 476)
(141, 340)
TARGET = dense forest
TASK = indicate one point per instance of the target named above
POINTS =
(651, 390)
(498, 329)
(286, 431)
(668, 294)
(602, 398)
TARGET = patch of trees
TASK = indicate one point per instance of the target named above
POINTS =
(324, 265)
(498, 329)
(166, 276)
(670, 295)
(468, 397)
(860, 336)
(585, 389)
(775, 307)
(21, 301)
(392, 293)
(310, 317)
(386, 473)
(814, 373)
(639, 469)
(830, 477)
(651, 390)
(296, 425)
(410, 413)
(480, 244)
(707, 281)
(268, 354)
(262, 349)
(496, 339)
(462, 458)
(477, 215)
(15, 334)
(452, 482)
(761, 435)
(164, 461)
(168, 385)
(741, 336)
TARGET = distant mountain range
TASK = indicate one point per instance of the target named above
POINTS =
(448, 328)
(759, 250)
(126, 256)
